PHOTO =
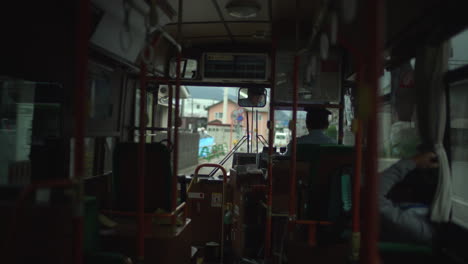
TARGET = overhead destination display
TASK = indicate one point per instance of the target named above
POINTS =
(235, 66)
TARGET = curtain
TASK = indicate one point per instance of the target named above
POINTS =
(431, 65)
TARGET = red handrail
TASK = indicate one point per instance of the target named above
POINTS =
(141, 170)
(82, 42)
(271, 131)
(175, 155)
(141, 165)
(180, 7)
(357, 129)
(292, 175)
(369, 83)
(356, 237)
(169, 115)
(213, 165)
(222, 203)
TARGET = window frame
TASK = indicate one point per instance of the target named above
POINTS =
(452, 231)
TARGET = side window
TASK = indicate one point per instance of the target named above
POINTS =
(459, 150)
(332, 130)
(109, 145)
(98, 155)
(30, 129)
(398, 131)
(150, 100)
(459, 54)
(89, 157)
(100, 96)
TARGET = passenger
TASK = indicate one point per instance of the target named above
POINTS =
(316, 122)
(399, 224)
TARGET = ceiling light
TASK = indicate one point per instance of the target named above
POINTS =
(243, 8)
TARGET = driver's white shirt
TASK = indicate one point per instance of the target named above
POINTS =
(315, 136)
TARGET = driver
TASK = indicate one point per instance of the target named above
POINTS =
(316, 122)
(255, 98)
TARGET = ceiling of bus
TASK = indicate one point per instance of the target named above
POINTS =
(401, 14)
(202, 22)
(208, 22)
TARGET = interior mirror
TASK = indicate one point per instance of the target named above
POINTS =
(188, 68)
(252, 97)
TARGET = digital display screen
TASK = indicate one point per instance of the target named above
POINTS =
(235, 66)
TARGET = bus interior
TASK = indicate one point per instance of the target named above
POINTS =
(233, 131)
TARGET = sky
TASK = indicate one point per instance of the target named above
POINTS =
(213, 93)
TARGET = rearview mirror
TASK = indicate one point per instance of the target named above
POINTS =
(252, 97)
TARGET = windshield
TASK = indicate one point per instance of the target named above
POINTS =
(211, 125)
(223, 125)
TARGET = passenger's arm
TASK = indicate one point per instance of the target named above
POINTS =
(405, 222)
(395, 174)
(399, 170)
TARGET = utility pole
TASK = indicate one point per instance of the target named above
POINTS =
(225, 105)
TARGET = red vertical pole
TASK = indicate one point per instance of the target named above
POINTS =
(372, 67)
(252, 115)
(141, 166)
(154, 44)
(271, 134)
(169, 115)
(176, 134)
(356, 236)
(177, 101)
(256, 129)
(292, 177)
(312, 234)
(83, 17)
(341, 111)
(357, 177)
(248, 130)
